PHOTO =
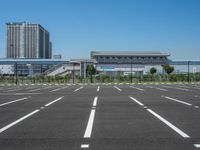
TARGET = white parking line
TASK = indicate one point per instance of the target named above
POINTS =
(17, 100)
(88, 130)
(149, 86)
(14, 90)
(161, 89)
(176, 88)
(78, 89)
(34, 90)
(137, 88)
(17, 121)
(54, 101)
(58, 89)
(136, 101)
(177, 130)
(176, 100)
(98, 88)
(95, 101)
(197, 145)
(117, 88)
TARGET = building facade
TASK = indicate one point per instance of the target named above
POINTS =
(27, 40)
(128, 62)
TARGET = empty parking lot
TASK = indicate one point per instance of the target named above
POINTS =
(100, 117)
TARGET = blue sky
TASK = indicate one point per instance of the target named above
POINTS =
(79, 26)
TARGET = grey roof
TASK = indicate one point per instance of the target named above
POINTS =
(128, 53)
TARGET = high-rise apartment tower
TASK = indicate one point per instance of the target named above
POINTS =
(27, 40)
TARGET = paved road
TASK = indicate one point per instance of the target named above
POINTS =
(100, 117)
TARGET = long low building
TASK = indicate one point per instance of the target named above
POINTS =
(111, 63)
(127, 62)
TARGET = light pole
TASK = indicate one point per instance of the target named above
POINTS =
(16, 80)
(131, 70)
(73, 71)
(188, 71)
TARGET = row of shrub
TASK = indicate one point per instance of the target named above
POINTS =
(103, 78)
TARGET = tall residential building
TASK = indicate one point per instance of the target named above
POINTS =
(27, 40)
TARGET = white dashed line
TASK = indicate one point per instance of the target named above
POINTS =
(137, 88)
(117, 88)
(84, 145)
(21, 99)
(177, 130)
(54, 101)
(197, 145)
(17, 121)
(95, 101)
(78, 89)
(176, 100)
(88, 130)
(98, 88)
(136, 101)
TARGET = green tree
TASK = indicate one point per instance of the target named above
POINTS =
(90, 70)
(168, 69)
(152, 71)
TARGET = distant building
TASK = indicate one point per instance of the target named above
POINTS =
(57, 56)
(127, 62)
(27, 40)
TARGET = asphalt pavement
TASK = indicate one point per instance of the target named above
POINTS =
(100, 117)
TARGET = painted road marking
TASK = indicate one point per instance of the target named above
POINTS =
(137, 88)
(54, 101)
(176, 88)
(59, 89)
(17, 100)
(78, 89)
(14, 90)
(136, 101)
(88, 130)
(84, 145)
(98, 88)
(161, 89)
(117, 88)
(176, 100)
(197, 145)
(149, 86)
(34, 90)
(196, 88)
(19, 120)
(177, 130)
(95, 101)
